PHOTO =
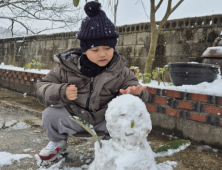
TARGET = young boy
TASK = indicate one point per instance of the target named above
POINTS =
(85, 81)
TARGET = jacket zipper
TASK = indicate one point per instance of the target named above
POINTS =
(90, 93)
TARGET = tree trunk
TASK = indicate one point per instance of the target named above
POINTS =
(152, 52)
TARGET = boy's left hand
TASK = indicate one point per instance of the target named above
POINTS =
(134, 90)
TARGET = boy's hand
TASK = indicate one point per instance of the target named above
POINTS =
(134, 90)
(71, 92)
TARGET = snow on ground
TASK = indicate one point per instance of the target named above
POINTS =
(171, 151)
(8, 158)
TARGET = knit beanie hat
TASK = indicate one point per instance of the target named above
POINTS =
(96, 29)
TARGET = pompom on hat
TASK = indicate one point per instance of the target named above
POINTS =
(96, 29)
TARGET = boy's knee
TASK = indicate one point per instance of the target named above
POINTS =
(49, 114)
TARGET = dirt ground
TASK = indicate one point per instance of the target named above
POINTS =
(12, 107)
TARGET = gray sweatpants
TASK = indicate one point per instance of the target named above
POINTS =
(58, 125)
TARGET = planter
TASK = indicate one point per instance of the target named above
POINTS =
(213, 55)
(192, 73)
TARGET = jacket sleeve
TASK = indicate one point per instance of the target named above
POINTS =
(50, 91)
(131, 80)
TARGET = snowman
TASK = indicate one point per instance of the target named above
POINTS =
(129, 124)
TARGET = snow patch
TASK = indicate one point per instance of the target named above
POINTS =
(8, 158)
(171, 151)
(201, 88)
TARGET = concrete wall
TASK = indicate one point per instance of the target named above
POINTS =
(180, 40)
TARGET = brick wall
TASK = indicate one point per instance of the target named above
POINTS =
(198, 107)
(185, 110)
(20, 81)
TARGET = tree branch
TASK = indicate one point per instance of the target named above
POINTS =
(167, 14)
(4, 17)
(157, 7)
(175, 7)
(152, 15)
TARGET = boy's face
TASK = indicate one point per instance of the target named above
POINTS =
(100, 55)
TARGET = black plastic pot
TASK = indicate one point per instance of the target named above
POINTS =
(192, 73)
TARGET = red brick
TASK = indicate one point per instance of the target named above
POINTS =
(3, 78)
(0, 73)
(6, 78)
(35, 75)
(172, 112)
(198, 117)
(16, 80)
(25, 78)
(213, 110)
(7, 71)
(9, 75)
(151, 90)
(38, 79)
(28, 74)
(3, 70)
(42, 75)
(34, 84)
(19, 77)
(12, 71)
(11, 79)
(151, 108)
(161, 100)
(185, 105)
(173, 93)
(17, 72)
(31, 79)
(27, 83)
(23, 73)
(14, 76)
(199, 97)
(22, 81)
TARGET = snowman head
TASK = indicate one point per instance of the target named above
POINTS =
(128, 119)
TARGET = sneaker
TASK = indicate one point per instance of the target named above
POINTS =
(53, 150)
(106, 137)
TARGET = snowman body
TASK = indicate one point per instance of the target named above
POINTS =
(128, 123)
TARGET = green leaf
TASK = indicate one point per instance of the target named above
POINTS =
(173, 145)
(160, 72)
(148, 75)
(87, 127)
(96, 0)
(33, 61)
(27, 66)
(132, 124)
(76, 2)
(147, 80)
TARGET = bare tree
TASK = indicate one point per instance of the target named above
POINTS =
(113, 4)
(155, 29)
(61, 14)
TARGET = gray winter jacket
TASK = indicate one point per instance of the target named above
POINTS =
(94, 93)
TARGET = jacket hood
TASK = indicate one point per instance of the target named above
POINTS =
(68, 60)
